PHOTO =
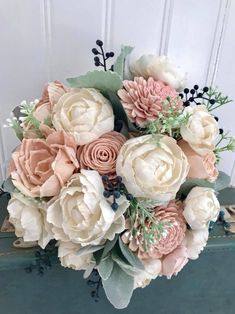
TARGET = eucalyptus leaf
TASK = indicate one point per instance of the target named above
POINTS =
(101, 80)
(222, 181)
(119, 65)
(123, 263)
(89, 249)
(109, 245)
(8, 185)
(130, 256)
(119, 287)
(187, 186)
(105, 268)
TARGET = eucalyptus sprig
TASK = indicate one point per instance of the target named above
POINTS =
(225, 143)
(219, 99)
(170, 121)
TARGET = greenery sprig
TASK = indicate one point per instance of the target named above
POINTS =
(225, 143)
(170, 121)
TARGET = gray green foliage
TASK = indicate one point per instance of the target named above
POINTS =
(119, 65)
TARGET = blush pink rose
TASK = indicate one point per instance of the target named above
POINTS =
(101, 154)
(201, 167)
(174, 262)
(41, 167)
(174, 225)
(143, 100)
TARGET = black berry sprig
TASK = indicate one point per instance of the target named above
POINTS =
(207, 95)
(95, 282)
(104, 55)
(115, 189)
(42, 260)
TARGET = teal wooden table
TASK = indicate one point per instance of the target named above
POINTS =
(204, 286)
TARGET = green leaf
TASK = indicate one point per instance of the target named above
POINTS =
(124, 264)
(105, 268)
(119, 65)
(222, 181)
(187, 186)
(119, 287)
(130, 256)
(101, 80)
(89, 249)
(109, 245)
(8, 185)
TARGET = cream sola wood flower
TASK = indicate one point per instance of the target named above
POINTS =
(152, 166)
(82, 215)
(84, 113)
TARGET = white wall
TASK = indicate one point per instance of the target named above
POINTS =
(43, 40)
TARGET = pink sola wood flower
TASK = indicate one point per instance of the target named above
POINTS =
(171, 216)
(143, 100)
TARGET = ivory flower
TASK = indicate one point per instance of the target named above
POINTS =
(152, 269)
(82, 215)
(68, 255)
(195, 241)
(159, 68)
(201, 130)
(152, 166)
(84, 113)
(201, 207)
(29, 219)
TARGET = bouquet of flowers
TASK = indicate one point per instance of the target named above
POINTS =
(120, 168)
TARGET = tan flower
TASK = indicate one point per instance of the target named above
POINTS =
(201, 167)
(101, 154)
(42, 167)
(144, 100)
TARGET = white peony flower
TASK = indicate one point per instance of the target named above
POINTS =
(29, 219)
(201, 130)
(67, 253)
(153, 167)
(82, 215)
(153, 268)
(201, 207)
(85, 113)
(195, 241)
(160, 68)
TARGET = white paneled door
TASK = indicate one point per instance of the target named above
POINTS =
(45, 40)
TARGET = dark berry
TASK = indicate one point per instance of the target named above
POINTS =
(205, 89)
(221, 131)
(106, 194)
(99, 43)
(111, 54)
(97, 59)
(186, 103)
(196, 87)
(191, 99)
(181, 96)
(199, 94)
(216, 118)
(107, 55)
(105, 178)
(114, 206)
(192, 91)
(97, 64)
(112, 68)
(95, 51)
(119, 179)
(186, 90)
(212, 101)
(116, 194)
(168, 98)
(129, 197)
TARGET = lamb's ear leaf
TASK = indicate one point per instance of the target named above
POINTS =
(130, 256)
(119, 65)
(222, 181)
(89, 249)
(119, 287)
(105, 268)
(8, 185)
(101, 80)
